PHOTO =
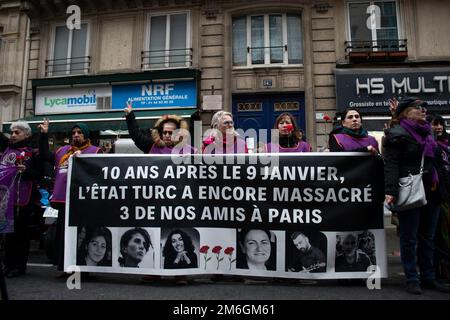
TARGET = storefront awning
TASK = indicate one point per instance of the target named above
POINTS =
(100, 120)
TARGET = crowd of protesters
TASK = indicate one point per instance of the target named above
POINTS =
(410, 135)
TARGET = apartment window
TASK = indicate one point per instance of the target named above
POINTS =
(373, 21)
(70, 55)
(269, 39)
(169, 42)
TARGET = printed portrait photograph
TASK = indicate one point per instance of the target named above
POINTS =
(306, 251)
(355, 251)
(256, 249)
(136, 248)
(179, 248)
(94, 247)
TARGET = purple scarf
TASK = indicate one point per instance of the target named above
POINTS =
(421, 132)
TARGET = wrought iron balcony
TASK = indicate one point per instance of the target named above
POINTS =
(379, 50)
(165, 59)
(67, 66)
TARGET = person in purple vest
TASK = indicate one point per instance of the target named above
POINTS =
(80, 144)
(289, 135)
(406, 143)
(167, 136)
(223, 138)
(351, 136)
(19, 170)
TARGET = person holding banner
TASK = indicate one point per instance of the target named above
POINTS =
(80, 144)
(167, 136)
(289, 135)
(223, 138)
(351, 136)
(408, 139)
(19, 171)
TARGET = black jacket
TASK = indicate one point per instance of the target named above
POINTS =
(402, 155)
(142, 141)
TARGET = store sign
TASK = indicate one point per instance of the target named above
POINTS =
(69, 100)
(370, 90)
(156, 95)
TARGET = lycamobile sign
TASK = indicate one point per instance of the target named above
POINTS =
(69, 100)
(74, 101)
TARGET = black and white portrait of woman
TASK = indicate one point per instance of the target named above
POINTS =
(136, 249)
(94, 247)
(256, 249)
(179, 248)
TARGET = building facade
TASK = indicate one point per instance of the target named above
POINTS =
(13, 60)
(256, 59)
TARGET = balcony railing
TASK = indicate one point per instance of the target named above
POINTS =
(67, 66)
(275, 52)
(160, 59)
(379, 50)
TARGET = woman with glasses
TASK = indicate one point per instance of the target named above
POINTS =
(408, 140)
(223, 138)
(168, 136)
(349, 135)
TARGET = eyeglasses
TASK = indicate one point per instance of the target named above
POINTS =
(169, 133)
(228, 123)
(347, 243)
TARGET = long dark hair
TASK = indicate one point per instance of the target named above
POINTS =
(169, 252)
(90, 234)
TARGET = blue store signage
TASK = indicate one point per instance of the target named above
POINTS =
(156, 95)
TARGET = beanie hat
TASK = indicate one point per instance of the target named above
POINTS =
(83, 127)
(409, 102)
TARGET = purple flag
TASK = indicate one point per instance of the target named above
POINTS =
(7, 198)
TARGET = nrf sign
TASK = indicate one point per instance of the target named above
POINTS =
(370, 89)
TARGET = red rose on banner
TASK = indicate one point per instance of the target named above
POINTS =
(229, 251)
(216, 249)
(326, 117)
(204, 250)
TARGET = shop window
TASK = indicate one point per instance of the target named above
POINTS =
(269, 39)
(70, 52)
(373, 28)
(169, 42)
